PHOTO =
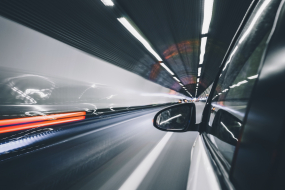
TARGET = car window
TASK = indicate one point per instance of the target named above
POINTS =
(237, 79)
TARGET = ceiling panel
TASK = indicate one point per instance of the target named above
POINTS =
(173, 28)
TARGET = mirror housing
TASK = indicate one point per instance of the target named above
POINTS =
(177, 118)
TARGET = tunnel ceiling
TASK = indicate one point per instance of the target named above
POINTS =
(173, 28)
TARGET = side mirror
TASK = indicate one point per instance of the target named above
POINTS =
(178, 118)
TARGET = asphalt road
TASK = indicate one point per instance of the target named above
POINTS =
(125, 152)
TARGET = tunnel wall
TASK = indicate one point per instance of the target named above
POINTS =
(39, 73)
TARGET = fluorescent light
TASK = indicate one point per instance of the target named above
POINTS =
(108, 2)
(198, 79)
(253, 77)
(208, 8)
(166, 68)
(202, 49)
(199, 71)
(180, 84)
(135, 33)
(176, 79)
(259, 12)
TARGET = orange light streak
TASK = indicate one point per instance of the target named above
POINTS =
(40, 124)
(40, 118)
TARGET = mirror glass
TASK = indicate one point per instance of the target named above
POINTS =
(226, 127)
(174, 118)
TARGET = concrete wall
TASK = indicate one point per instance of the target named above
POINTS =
(37, 71)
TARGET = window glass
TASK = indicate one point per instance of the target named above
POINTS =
(238, 77)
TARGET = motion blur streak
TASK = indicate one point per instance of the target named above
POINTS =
(140, 172)
(40, 118)
(39, 124)
(97, 154)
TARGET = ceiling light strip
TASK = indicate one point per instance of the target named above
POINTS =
(208, 8)
(202, 49)
(136, 34)
(166, 68)
(108, 3)
(199, 71)
(176, 79)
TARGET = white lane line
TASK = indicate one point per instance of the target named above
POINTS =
(140, 172)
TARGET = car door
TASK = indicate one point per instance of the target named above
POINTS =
(232, 91)
(232, 138)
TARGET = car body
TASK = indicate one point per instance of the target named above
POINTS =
(241, 135)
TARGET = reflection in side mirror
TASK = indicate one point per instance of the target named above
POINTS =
(175, 118)
(226, 127)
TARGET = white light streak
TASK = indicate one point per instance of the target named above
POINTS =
(208, 8)
(225, 90)
(253, 77)
(230, 58)
(163, 95)
(166, 68)
(199, 71)
(108, 3)
(109, 97)
(179, 115)
(23, 94)
(259, 12)
(242, 82)
(198, 79)
(135, 33)
(35, 91)
(176, 79)
(202, 49)
(239, 83)
(229, 131)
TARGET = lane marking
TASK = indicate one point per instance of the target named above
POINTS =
(140, 172)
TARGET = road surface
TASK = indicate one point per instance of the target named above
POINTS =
(124, 152)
